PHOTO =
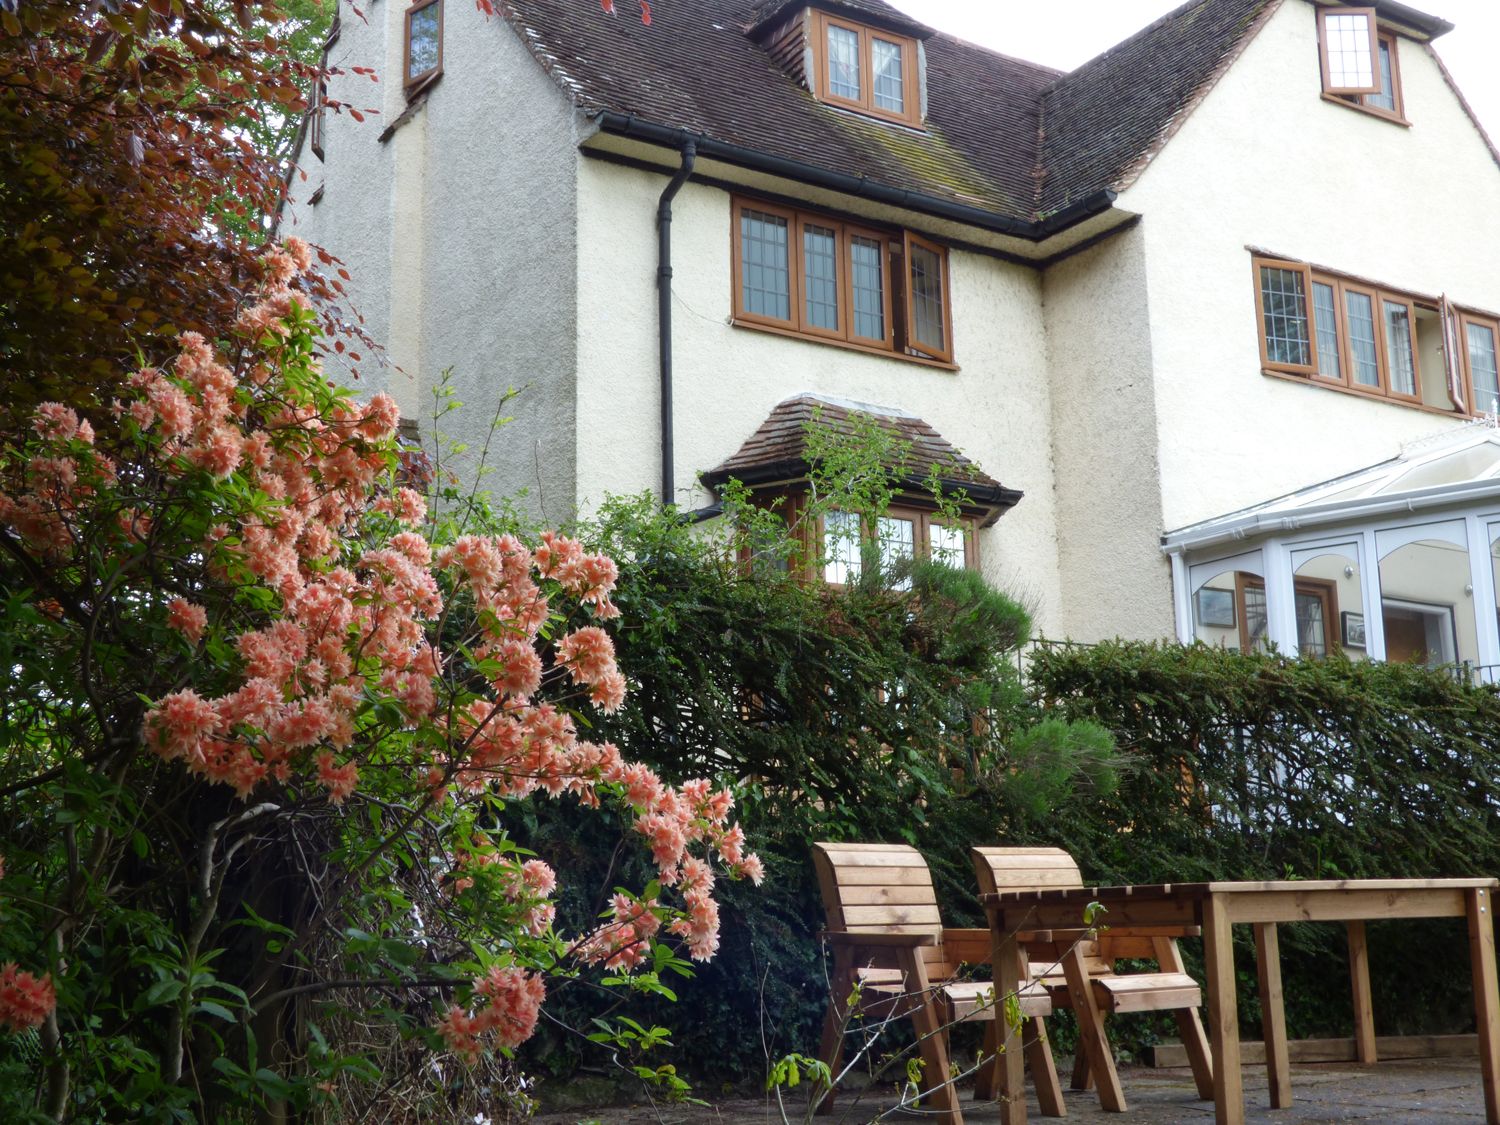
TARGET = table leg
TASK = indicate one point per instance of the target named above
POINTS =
(1008, 1071)
(1359, 978)
(1480, 903)
(1223, 1014)
(1273, 1014)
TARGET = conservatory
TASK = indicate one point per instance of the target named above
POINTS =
(1398, 561)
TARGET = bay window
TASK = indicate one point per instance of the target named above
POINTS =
(850, 543)
(830, 279)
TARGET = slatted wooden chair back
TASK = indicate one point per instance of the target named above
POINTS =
(882, 889)
(1034, 869)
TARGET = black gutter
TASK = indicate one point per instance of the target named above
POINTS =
(1430, 25)
(689, 150)
(628, 125)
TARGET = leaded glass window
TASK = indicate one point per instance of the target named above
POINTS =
(1398, 348)
(1284, 314)
(867, 259)
(1325, 316)
(820, 276)
(1364, 350)
(1482, 368)
(843, 63)
(890, 84)
(765, 282)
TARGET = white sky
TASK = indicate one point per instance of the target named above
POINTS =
(1066, 35)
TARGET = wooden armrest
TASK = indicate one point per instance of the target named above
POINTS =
(877, 941)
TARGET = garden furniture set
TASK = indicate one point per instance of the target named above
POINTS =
(1054, 943)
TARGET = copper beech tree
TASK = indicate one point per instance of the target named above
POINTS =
(131, 196)
(270, 725)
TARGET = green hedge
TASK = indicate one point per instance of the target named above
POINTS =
(1255, 767)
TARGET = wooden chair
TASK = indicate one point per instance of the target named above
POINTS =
(1079, 972)
(887, 936)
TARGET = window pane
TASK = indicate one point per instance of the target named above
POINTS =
(1312, 628)
(1350, 61)
(843, 63)
(841, 562)
(946, 544)
(765, 282)
(1325, 316)
(1398, 348)
(820, 276)
(1482, 365)
(889, 85)
(1284, 304)
(897, 541)
(1361, 312)
(867, 256)
(1386, 99)
(927, 298)
(423, 52)
(1255, 618)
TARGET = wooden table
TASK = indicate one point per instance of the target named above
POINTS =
(1219, 906)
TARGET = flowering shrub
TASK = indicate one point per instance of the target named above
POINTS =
(259, 650)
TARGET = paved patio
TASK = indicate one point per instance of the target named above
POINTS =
(1405, 1092)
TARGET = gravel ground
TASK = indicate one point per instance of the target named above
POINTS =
(1406, 1092)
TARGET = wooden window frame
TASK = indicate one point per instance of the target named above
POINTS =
(794, 270)
(921, 519)
(409, 83)
(911, 93)
(1322, 588)
(1257, 263)
(1374, 36)
(897, 314)
(1378, 295)
(1464, 319)
(1340, 330)
(315, 116)
(1384, 297)
(944, 353)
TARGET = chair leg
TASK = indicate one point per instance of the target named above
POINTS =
(1190, 1027)
(987, 1076)
(1083, 1078)
(1049, 1093)
(831, 1045)
(1091, 1032)
(937, 1081)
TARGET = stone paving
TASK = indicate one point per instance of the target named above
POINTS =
(1405, 1092)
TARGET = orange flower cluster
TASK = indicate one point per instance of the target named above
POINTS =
(359, 590)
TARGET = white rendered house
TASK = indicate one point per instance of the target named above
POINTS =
(1248, 250)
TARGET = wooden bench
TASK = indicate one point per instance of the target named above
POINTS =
(888, 939)
(1077, 967)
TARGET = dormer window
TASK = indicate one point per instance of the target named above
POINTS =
(866, 69)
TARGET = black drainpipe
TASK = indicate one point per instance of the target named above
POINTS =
(689, 149)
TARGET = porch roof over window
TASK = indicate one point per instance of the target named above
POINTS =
(1454, 467)
(777, 452)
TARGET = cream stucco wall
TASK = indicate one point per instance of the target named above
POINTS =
(1104, 444)
(1264, 161)
(459, 233)
(996, 409)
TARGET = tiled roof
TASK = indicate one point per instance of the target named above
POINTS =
(777, 450)
(1109, 115)
(1015, 139)
(696, 68)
